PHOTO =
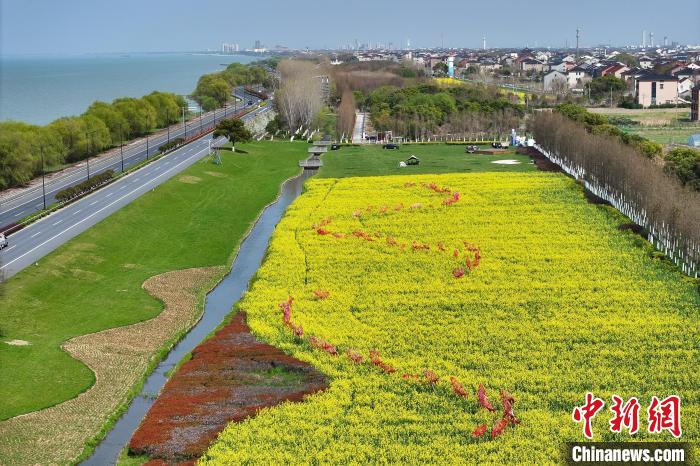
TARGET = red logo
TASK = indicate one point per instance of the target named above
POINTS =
(587, 412)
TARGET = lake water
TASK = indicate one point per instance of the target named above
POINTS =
(39, 89)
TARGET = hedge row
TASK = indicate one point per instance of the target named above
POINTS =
(81, 188)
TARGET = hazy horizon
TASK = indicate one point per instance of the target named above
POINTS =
(78, 27)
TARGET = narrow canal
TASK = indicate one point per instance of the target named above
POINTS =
(217, 305)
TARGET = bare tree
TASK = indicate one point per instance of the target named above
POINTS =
(299, 97)
(636, 185)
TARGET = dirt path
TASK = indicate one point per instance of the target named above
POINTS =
(119, 358)
(229, 378)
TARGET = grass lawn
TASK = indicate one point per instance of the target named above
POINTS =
(372, 160)
(93, 282)
(665, 135)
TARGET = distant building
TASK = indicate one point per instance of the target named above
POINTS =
(577, 77)
(695, 104)
(552, 77)
(694, 140)
(656, 89)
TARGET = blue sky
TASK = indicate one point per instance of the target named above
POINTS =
(93, 26)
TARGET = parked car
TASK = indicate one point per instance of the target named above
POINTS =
(3, 241)
(471, 149)
(250, 102)
(335, 147)
(497, 145)
(390, 146)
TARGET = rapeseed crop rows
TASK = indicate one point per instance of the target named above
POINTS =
(560, 303)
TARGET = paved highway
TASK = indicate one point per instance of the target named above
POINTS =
(29, 245)
(30, 200)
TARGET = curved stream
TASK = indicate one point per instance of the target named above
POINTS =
(217, 305)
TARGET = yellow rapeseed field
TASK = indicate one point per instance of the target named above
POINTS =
(510, 280)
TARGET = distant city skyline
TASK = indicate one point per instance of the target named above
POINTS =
(83, 26)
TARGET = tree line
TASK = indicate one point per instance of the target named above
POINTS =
(682, 162)
(424, 110)
(637, 186)
(71, 139)
(214, 89)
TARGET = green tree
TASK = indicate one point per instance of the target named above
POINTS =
(17, 163)
(72, 132)
(166, 107)
(440, 69)
(602, 85)
(116, 122)
(684, 162)
(234, 130)
(213, 86)
(140, 115)
(627, 59)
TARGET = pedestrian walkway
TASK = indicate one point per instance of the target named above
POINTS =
(359, 129)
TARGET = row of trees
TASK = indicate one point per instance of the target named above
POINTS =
(71, 139)
(596, 123)
(637, 186)
(214, 90)
(426, 109)
(299, 98)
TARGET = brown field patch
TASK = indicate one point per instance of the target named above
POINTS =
(216, 174)
(229, 378)
(189, 179)
(119, 358)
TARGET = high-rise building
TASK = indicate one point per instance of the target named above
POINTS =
(257, 44)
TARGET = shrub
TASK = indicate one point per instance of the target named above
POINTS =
(86, 186)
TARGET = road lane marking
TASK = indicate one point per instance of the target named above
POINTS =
(35, 234)
(108, 195)
(95, 213)
(10, 247)
(93, 202)
(77, 212)
(57, 223)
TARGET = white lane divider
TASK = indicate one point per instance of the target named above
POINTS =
(96, 212)
(57, 223)
(93, 202)
(77, 212)
(35, 234)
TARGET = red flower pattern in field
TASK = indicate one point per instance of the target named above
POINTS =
(355, 356)
(508, 401)
(430, 377)
(458, 272)
(322, 231)
(322, 294)
(323, 345)
(457, 388)
(499, 427)
(484, 399)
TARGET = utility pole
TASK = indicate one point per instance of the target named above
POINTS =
(89, 140)
(200, 120)
(43, 172)
(167, 117)
(184, 125)
(578, 34)
(146, 146)
(121, 145)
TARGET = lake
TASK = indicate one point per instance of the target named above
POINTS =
(39, 89)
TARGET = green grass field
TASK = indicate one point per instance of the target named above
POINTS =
(93, 282)
(372, 160)
(665, 135)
